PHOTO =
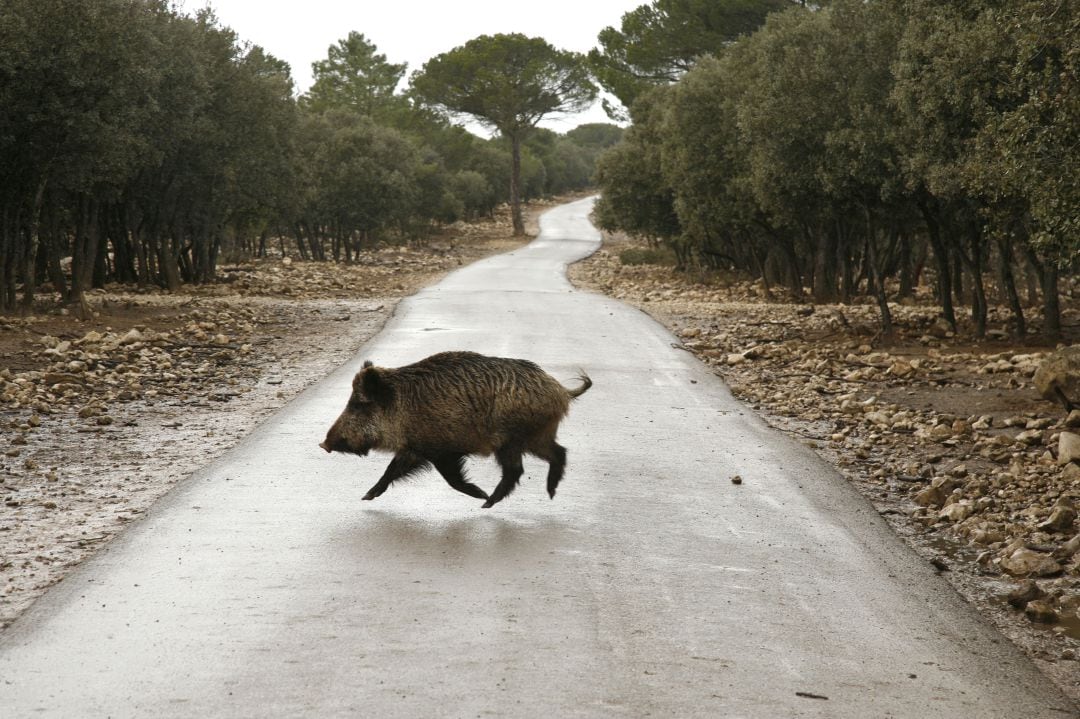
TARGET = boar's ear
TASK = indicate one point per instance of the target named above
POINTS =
(358, 378)
(374, 385)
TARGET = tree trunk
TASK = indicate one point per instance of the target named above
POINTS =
(847, 268)
(1031, 282)
(790, 261)
(123, 241)
(101, 251)
(1005, 259)
(907, 280)
(170, 269)
(54, 249)
(84, 255)
(973, 263)
(941, 258)
(214, 253)
(1048, 279)
(920, 253)
(137, 229)
(301, 238)
(30, 258)
(1051, 303)
(515, 185)
(9, 230)
(759, 266)
(200, 254)
(260, 248)
(874, 275)
(957, 274)
(824, 281)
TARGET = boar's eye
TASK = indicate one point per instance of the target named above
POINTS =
(358, 403)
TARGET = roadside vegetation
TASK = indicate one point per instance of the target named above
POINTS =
(855, 148)
(144, 146)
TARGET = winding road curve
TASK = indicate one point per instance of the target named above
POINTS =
(651, 585)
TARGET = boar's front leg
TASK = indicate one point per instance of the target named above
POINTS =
(403, 464)
(452, 468)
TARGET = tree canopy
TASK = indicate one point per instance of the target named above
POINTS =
(354, 75)
(659, 42)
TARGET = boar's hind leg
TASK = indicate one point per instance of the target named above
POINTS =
(509, 458)
(452, 468)
(543, 445)
(546, 448)
(402, 465)
(556, 458)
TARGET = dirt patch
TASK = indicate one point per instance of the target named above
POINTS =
(102, 417)
(944, 435)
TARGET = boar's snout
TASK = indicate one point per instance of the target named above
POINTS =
(336, 441)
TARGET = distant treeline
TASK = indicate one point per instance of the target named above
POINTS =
(145, 145)
(854, 146)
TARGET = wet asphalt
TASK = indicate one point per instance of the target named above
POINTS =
(650, 586)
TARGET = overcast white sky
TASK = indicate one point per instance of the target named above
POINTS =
(412, 31)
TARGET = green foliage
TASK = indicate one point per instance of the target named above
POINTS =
(354, 76)
(658, 43)
(780, 112)
(588, 142)
(566, 166)
(706, 159)
(506, 82)
(138, 141)
(636, 197)
(661, 256)
(474, 192)
(364, 175)
(1030, 145)
(534, 178)
(80, 76)
(829, 148)
(597, 136)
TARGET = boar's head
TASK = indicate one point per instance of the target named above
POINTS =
(360, 428)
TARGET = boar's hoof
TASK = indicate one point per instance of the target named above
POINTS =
(369, 496)
(488, 504)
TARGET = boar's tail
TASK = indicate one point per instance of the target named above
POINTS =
(585, 384)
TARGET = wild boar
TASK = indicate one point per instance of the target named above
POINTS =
(453, 404)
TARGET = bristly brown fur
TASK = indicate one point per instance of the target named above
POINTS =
(451, 405)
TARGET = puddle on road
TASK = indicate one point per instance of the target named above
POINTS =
(996, 588)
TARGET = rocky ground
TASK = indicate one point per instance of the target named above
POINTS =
(945, 436)
(102, 417)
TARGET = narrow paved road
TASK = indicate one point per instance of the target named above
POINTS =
(651, 586)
